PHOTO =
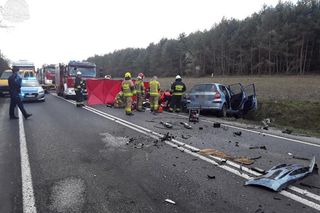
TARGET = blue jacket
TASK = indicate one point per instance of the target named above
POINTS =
(14, 82)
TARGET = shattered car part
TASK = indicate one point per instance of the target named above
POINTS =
(258, 147)
(186, 136)
(216, 125)
(256, 169)
(239, 133)
(170, 201)
(167, 137)
(186, 125)
(214, 152)
(166, 124)
(280, 176)
(287, 131)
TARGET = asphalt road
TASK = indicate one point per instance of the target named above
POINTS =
(85, 160)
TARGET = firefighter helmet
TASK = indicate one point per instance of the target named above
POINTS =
(127, 75)
(141, 75)
(79, 73)
(178, 77)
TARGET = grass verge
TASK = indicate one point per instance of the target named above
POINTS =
(300, 116)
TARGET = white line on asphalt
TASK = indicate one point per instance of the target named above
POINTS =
(181, 146)
(257, 132)
(27, 188)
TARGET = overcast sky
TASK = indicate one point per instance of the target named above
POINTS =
(63, 30)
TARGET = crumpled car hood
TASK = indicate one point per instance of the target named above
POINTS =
(280, 176)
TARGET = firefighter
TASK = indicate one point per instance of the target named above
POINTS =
(139, 90)
(78, 88)
(119, 100)
(127, 88)
(177, 88)
(154, 94)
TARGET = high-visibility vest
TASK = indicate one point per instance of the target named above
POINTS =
(139, 87)
(127, 88)
(178, 90)
(154, 87)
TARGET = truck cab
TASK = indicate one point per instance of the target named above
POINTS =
(66, 74)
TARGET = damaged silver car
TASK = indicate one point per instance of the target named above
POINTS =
(279, 177)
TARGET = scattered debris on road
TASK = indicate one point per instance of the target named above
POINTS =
(290, 154)
(239, 133)
(109, 105)
(258, 147)
(167, 137)
(194, 115)
(216, 153)
(225, 128)
(300, 158)
(186, 136)
(255, 158)
(186, 125)
(200, 128)
(139, 146)
(280, 176)
(256, 169)
(276, 198)
(236, 144)
(211, 176)
(266, 123)
(170, 201)
(166, 124)
(216, 125)
(287, 131)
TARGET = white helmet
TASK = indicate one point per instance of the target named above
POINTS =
(78, 73)
(178, 77)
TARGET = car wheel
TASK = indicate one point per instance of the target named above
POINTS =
(223, 111)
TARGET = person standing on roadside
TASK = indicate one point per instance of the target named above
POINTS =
(127, 88)
(78, 88)
(14, 82)
(177, 88)
(139, 89)
(154, 94)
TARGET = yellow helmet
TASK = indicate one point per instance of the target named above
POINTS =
(127, 75)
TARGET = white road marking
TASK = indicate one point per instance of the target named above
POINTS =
(257, 132)
(181, 146)
(27, 187)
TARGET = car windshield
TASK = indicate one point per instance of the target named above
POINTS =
(204, 88)
(50, 70)
(85, 71)
(6, 75)
(30, 83)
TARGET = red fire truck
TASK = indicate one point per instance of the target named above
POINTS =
(65, 76)
(46, 76)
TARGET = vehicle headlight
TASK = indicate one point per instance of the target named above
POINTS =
(41, 91)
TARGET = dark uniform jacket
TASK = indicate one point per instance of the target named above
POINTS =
(178, 88)
(78, 84)
(14, 82)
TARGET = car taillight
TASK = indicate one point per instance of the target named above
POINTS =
(217, 95)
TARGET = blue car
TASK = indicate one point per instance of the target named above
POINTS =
(31, 90)
(233, 99)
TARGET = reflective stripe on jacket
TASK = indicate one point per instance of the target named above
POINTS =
(127, 88)
(178, 88)
(139, 87)
(154, 88)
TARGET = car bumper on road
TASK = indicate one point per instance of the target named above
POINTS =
(33, 97)
(212, 106)
(4, 90)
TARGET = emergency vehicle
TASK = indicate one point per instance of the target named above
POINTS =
(46, 75)
(66, 74)
(26, 68)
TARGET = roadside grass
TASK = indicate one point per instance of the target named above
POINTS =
(298, 116)
(291, 102)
